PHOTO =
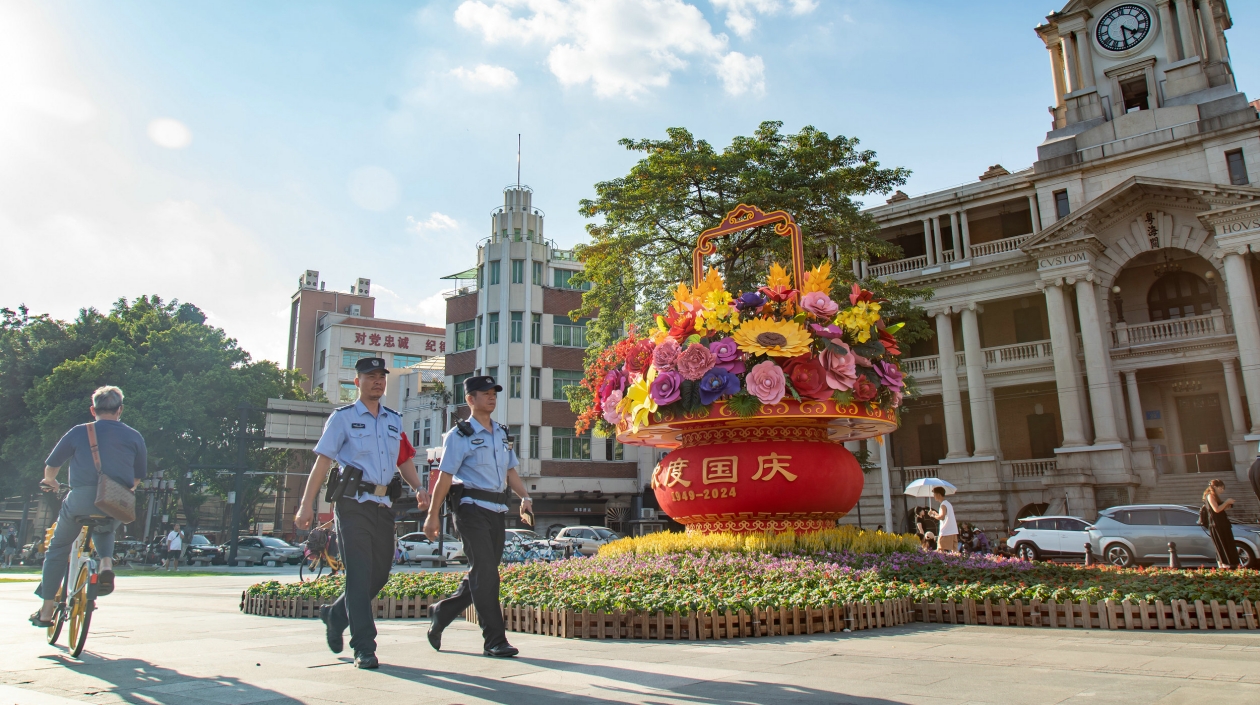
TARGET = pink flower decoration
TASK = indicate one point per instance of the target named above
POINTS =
(728, 356)
(695, 361)
(666, 388)
(841, 369)
(819, 304)
(665, 354)
(767, 382)
(611, 402)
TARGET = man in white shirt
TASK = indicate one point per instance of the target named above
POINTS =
(174, 547)
(948, 537)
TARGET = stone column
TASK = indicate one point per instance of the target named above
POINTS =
(1097, 364)
(951, 399)
(1165, 27)
(1235, 398)
(956, 235)
(977, 390)
(1189, 35)
(927, 241)
(1086, 56)
(1135, 406)
(1242, 302)
(1069, 62)
(1056, 72)
(1209, 30)
(936, 239)
(1036, 214)
(966, 234)
(1066, 375)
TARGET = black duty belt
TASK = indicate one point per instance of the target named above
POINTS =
(458, 491)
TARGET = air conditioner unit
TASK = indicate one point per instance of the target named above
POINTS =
(310, 280)
(647, 514)
(354, 309)
(363, 286)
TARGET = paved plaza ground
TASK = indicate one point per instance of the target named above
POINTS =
(182, 641)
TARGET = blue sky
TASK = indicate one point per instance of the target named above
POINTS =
(212, 152)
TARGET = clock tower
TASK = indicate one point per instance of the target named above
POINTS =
(1113, 59)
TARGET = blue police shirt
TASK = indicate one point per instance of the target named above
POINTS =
(480, 461)
(353, 436)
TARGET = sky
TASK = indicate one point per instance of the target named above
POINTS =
(213, 152)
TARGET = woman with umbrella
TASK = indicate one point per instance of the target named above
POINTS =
(947, 537)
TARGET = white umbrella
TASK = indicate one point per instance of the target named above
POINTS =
(924, 487)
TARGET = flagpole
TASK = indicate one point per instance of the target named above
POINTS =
(884, 476)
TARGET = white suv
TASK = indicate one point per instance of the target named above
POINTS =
(1049, 537)
(586, 540)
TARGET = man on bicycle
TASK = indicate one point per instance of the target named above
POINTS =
(124, 457)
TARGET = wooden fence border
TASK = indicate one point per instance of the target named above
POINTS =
(784, 621)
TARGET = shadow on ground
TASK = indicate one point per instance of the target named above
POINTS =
(136, 680)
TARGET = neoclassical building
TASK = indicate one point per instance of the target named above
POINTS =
(1097, 340)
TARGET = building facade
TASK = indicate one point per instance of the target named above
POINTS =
(510, 319)
(1097, 340)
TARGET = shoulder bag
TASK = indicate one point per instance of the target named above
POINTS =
(112, 497)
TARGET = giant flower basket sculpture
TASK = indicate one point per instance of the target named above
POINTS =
(754, 393)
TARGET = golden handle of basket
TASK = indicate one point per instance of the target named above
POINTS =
(746, 217)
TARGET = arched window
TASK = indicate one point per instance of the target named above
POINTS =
(1178, 295)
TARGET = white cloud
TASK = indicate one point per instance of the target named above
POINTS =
(373, 188)
(485, 77)
(436, 221)
(619, 47)
(742, 74)
(740, 14)
(169, 133)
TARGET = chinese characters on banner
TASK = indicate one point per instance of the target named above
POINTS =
(720, 470)
(402, 342)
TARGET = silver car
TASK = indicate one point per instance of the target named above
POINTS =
(1139, 534)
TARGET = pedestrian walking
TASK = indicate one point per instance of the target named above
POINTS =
(123, 456)
(947, 539)
(174, 549)
(1218, 527)
(365, 438)
(10, 547)
(478, 454)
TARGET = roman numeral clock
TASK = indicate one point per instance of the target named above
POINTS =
(1123, 27)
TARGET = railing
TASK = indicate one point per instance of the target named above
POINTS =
(919, 472)
(995, 247)
(946, 257)
(960, 359)
(1177, 329)
(902, 265)
(563, 255)
(920, 365)
(1018, 354)
(461, 291)
(1031, 468)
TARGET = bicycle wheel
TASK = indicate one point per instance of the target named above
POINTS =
(59, 615)
(80, 609)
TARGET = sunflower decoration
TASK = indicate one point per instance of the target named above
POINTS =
(764, 336)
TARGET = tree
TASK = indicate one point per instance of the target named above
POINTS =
(183, 381)
(652, 217)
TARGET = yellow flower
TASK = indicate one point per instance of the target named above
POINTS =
(712, 283)
(715, 316)
(638, 402)
(763, 336)
(818, 279)
(778, 276)
(859, 319)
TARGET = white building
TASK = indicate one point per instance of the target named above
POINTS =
(1097, 340)
(342, 339)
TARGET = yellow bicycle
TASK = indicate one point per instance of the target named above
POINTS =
(76, 598)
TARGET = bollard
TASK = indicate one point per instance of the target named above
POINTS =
(1089, 553)
(1174, 561)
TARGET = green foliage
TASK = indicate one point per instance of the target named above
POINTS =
(744, 404)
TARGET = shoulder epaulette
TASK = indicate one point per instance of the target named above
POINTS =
(342, 408)
(395, 413)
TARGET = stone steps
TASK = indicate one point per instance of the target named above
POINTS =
(1187, 490)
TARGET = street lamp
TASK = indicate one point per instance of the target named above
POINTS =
(1118, 303)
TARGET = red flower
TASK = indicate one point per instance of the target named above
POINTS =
(889, 342)
(640, 357)
(682, 324)
(779, 294)
(865, 390)
(808, 376)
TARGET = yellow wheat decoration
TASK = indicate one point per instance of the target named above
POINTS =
(842, 538)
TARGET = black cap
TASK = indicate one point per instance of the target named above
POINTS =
(481, 384)
(367, 364)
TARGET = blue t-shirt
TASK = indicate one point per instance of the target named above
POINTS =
(124, 456)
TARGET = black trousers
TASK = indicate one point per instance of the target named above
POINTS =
(365, 531)
(482, 531)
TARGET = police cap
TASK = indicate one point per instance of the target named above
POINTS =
(369, 364)
(481, 384)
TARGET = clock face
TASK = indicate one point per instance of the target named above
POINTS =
(1123, 27)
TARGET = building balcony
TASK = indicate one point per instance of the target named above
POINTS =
(915, 265)
(1035, 469)
(470, 288)
(1178, 329)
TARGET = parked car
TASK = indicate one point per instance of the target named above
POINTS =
(202, 552)
(417, 546)
(1049, 537)
(1139, 534)
(586, 540)
(265, 550)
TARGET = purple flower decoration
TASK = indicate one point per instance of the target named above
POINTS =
(613, 381)
(666, 388)
(728, 356)
(828, 331)
(717, 382)
(889, 374)
(750, 300)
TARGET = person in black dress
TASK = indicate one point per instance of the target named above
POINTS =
(1218, 525)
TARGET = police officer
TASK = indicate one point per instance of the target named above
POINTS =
(477, 454)
(363, 437)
